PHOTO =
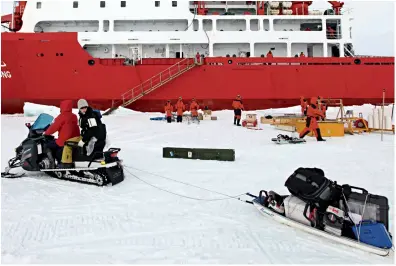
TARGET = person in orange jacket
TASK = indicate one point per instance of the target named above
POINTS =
(304, 105)
(168, 111)
(238, 107)
(180, 108)
(313, 113)
(194, 109)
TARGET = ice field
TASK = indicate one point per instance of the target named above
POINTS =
(45, 220)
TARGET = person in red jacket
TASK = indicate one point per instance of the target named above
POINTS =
(168, 111)
(66, 124)
(180, 108)
(313, 113)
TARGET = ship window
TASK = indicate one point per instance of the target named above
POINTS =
(102, 3)
(75, 4)
(38, 5)
(174, 3)
(157, 3)
(123, 3)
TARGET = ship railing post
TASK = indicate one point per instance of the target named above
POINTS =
(178, 67)
(160, 78)
(151, 83)
(123, 99)
(382, 117)
(170, 73)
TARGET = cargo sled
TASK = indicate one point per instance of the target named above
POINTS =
(100, 168)
(344, 214)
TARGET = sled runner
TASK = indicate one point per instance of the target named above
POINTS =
(100, 168)
(321, 207)
(284, 139)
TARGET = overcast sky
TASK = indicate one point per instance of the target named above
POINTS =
(372, 29)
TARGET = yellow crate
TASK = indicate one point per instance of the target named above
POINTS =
(327, 128)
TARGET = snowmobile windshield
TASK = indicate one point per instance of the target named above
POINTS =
(43, 121)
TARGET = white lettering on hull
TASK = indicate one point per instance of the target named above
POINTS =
(5, 74)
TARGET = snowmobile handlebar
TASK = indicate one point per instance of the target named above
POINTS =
(46, 137)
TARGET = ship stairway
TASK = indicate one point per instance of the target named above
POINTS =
(152, 84)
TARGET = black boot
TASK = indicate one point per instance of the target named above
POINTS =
(319, 138)
(238, 121)
(235, 119)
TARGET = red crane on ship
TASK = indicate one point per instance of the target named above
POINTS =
(15, 19)
(201, 8)
(336, 6)
(301, 7)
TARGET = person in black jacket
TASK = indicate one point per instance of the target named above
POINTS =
(91, 126)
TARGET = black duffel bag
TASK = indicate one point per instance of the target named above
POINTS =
(311, 186)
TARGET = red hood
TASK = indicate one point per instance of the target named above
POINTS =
(66, 106)
(314, 101)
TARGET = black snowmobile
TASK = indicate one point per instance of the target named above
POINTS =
(100, 168)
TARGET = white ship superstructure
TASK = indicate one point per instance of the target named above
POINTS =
(174, 29)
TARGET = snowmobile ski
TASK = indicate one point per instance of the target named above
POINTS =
(339, 239)
(284, 139)
(11, 175)
(12, 163)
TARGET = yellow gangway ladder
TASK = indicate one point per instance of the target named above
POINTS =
(152, 84)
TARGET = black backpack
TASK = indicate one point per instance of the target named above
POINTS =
(311, 186)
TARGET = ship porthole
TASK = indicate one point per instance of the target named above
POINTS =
(357, 61)
(229, 61)
(91, 62)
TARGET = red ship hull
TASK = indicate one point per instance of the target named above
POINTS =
(46, 68)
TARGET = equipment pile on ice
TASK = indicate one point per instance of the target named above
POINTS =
(345, 214)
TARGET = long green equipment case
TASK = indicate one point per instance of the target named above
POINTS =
(199, 153)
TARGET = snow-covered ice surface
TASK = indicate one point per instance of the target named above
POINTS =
(46, 220)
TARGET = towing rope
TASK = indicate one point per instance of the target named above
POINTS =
(236, 197)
